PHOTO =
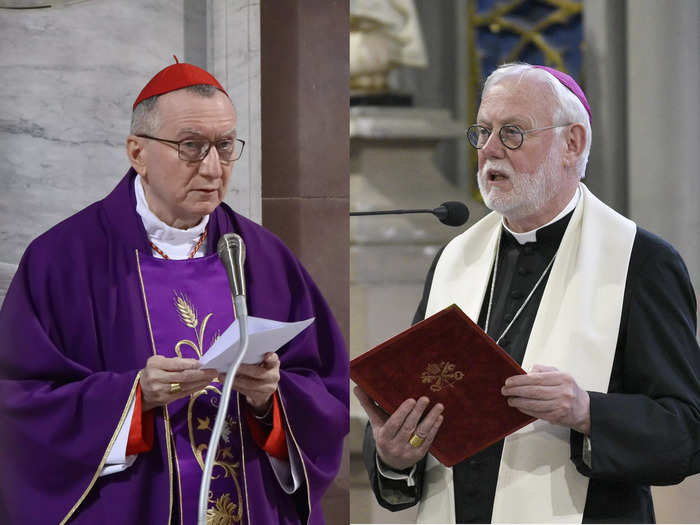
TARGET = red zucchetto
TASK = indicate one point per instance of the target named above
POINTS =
(176, 77)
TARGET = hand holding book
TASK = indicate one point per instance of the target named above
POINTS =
(394, 435)
(447, 360)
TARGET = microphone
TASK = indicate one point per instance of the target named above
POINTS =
(231, 250)
(452, 213)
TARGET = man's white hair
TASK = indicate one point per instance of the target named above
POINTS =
(569, 108)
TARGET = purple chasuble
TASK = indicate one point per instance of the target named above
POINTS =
(75, 335)
(188, 306)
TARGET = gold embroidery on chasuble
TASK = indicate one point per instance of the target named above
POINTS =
(188, 316)
(222, 511)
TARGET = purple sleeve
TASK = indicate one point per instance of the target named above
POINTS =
(59, 408)
(314, 383)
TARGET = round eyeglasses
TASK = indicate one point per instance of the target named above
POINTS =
(196, 150)
(511, 136)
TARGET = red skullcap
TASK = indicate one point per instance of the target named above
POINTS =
(571, 84)
(176, 77)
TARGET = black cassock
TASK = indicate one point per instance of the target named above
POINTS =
(644, 431)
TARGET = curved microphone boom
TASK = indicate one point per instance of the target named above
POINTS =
(231, 250)
(452, 213)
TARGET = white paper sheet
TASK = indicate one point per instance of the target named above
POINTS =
(264, 335)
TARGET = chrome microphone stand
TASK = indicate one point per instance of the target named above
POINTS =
(231, 250)
(242, 316)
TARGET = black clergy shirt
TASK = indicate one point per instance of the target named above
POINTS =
(520, 267)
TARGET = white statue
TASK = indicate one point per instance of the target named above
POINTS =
(383, 34)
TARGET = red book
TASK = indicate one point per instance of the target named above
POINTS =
(449, 359)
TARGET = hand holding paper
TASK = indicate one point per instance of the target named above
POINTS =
(265, 336)
(258, 382)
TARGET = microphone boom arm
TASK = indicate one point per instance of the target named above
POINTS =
(387, 212)
(242, 316)
(452, 213)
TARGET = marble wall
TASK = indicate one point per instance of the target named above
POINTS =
(69, 77)
(233, 56)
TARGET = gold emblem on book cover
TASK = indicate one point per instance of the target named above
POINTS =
(441, 375)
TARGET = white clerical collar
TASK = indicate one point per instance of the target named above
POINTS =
(531, 236)
(178, 242)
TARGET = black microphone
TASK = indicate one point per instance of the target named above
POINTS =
(231, 250)
(452, 213)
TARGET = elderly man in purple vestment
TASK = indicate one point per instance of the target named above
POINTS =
(105, 411)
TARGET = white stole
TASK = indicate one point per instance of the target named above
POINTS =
(575, 330)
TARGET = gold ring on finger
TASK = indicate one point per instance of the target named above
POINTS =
(416, 441)
(175, 387)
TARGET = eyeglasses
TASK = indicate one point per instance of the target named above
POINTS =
(511, 136)
(196, 150)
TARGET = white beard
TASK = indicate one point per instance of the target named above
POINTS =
(530, 192)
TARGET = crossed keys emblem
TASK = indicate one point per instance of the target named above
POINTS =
(441, 374)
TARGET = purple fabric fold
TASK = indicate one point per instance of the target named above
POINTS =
(74, 336)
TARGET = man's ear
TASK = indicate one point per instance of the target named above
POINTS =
(136, 153)
(575, 143)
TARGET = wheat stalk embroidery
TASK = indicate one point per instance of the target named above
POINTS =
(190, 318)
(442, 374)
(224, 511)
(188, 314)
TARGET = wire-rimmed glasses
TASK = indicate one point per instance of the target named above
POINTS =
(196, 150)
(511, 136)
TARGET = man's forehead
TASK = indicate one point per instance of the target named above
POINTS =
(186, 111)
(189, 130)
(515, 100)
(184, 97)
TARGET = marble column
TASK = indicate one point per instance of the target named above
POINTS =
(663, 71)
(233, 57)
(605, 83)
(304, 93)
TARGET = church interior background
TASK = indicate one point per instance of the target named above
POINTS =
(72, 68)
(636, 60)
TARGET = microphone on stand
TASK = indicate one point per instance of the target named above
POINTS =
(231, 250)
(452, 213)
